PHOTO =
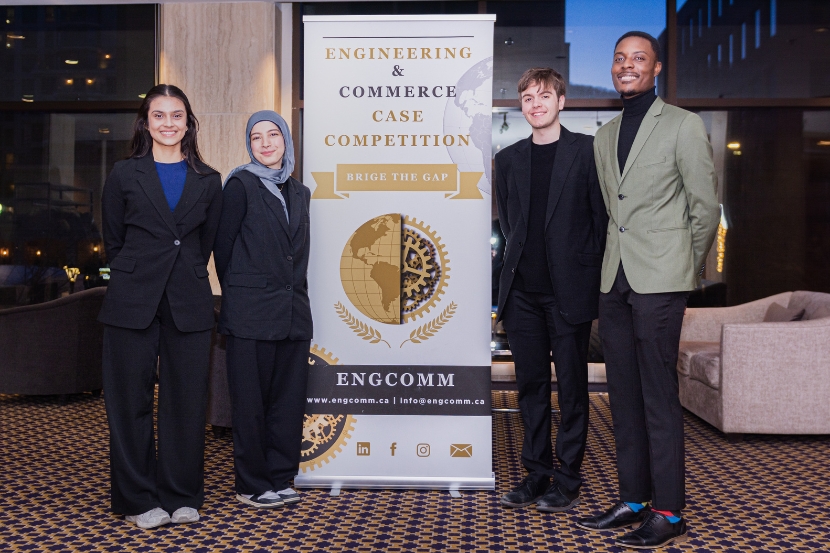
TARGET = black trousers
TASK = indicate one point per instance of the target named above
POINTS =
(141, 477)
(536, 332)
(640, 341)
(267, 380)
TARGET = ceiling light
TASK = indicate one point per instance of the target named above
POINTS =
(89, 81)
(821, 30)
(104, 130)
(824, 143)
(71, 62)
(737, 152)
(107, 56)
(734, 145)
(70, 81)
(15, 37)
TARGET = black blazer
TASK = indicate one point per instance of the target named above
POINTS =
(152, 250)
(576, 222)
(263, 266)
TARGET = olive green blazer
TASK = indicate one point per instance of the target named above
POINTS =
(663, 208)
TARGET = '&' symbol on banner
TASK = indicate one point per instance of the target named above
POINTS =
(397, 71)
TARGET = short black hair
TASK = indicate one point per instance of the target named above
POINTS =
(654, 44)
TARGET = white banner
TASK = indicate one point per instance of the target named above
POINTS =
(397, 151)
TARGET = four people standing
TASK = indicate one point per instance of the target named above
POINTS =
(646, 186)
(553, 218)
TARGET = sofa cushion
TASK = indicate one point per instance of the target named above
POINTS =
(810, 302)
(777, 313)
(705, 367)
(689, 349)
(821, 313)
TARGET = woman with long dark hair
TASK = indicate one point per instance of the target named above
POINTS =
(261, 255)
(161, 209)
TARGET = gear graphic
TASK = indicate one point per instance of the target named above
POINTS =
(424, 269)
(319, 356)
(323, 435)
(415, 269)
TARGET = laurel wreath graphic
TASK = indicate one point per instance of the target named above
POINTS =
(365, 331)
(428, 330)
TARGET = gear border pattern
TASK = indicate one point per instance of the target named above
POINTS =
(443, 266)
(348, 423)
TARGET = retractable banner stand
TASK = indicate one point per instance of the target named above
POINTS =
(396, 139)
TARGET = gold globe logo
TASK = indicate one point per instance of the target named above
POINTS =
(394, 269)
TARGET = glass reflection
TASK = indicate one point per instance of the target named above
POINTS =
(773, 168)
(753, 49)
(52, 172)
(71, 53)
(575, 37)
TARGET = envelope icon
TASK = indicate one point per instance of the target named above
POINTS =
(461, 450)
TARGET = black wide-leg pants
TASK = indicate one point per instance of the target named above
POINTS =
(141, 477)
(537, 332)
(640, 340)
(267, 381)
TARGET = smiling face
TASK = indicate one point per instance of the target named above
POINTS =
(267, 144)
(167, 121)
(635, 67)
(541, 106)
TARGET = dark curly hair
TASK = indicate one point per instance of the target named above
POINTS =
(142, 142)
(655, 46)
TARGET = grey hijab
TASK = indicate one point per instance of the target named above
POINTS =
(269, 177)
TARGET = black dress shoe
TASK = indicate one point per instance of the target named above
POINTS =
(529, 490)
(557, 500)
(655, 531)
(619, 515)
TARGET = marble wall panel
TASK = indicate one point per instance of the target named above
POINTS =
(221, 54)
(224, 57)
(222, 140)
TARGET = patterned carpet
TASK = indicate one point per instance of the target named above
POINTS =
(765, 494)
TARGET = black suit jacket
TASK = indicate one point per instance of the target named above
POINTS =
(264, 273)
(152, 250)
(576, 222)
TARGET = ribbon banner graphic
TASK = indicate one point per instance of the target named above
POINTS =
(397, 152)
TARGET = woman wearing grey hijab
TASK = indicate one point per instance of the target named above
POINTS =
(261, 254)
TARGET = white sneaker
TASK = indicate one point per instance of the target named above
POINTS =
(151, 519)
(183, 515)
(289, 496)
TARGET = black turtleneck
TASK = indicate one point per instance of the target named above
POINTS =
(532, 273)
(634, 111)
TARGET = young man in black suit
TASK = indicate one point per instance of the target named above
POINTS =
(553, 217)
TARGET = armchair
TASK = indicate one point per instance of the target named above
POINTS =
(53, 348)
(743, 375)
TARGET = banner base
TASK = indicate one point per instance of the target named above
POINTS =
(396, 482)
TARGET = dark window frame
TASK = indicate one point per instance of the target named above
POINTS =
(670, 70)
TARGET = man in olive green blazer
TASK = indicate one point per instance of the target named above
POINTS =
(665, 199)
(655, 168)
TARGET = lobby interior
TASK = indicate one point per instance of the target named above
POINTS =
(756, 416)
